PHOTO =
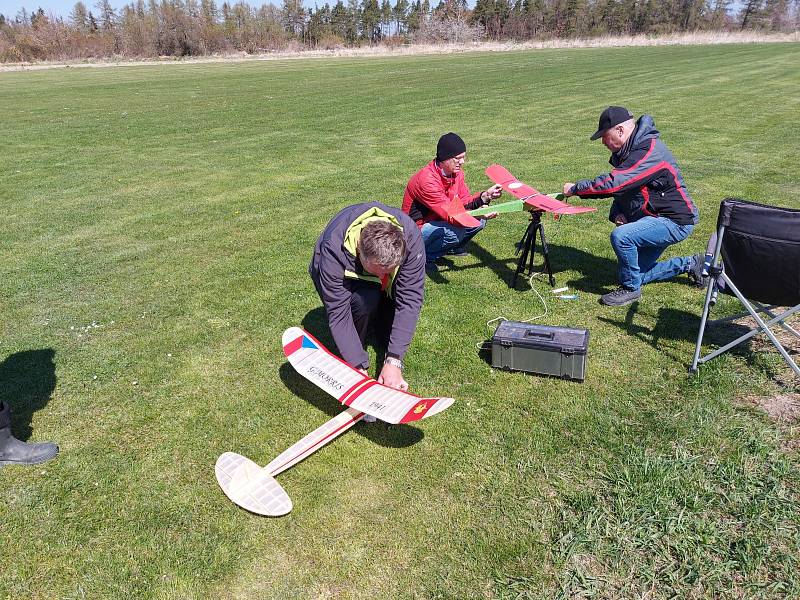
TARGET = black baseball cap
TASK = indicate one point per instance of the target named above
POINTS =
(613, 115)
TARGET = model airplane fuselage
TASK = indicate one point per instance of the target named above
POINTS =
(255, 488)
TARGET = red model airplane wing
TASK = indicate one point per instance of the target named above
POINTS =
(531, 196)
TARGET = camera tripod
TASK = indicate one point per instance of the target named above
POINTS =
(526, 249)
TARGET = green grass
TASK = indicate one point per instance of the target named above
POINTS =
(157, 223)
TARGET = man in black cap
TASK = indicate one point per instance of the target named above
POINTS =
(430, 193)
(652, 208)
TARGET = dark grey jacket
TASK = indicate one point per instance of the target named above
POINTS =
(645, 180)
(334, 267)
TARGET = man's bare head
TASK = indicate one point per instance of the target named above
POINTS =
(381, 247)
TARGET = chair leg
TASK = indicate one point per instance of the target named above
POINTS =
(764, 326)
(711, 295)
(768, 310)
(703, 319)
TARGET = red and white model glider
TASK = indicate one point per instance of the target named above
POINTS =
(255, 488)
(532, 197)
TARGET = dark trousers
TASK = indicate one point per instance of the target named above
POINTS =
(372, 312)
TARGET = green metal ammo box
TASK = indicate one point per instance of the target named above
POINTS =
(540, 349)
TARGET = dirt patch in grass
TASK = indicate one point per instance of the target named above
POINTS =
(787, 339)
(791, 446)
(783, 408)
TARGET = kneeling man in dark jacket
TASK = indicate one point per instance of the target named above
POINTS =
(369, 270)
(652, 207)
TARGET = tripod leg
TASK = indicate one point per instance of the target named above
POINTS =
(532, 246)
(525, 247)
(546, 255)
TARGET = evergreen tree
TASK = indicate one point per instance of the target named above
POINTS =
(294, 16)
(208, 11)
(23, 18)
(354, 21)
(400, 15)
(370, 20)
(751, 13)
(38, 18)
(340, 20)
(413, 18)
(386, 18)
(80, 16)
(107, 15)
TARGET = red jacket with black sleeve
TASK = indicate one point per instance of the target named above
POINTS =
(429, 193)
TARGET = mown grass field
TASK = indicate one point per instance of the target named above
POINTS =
(157, 223)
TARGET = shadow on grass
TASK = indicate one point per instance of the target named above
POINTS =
(680, 325)
(597, 273)
(27, 381)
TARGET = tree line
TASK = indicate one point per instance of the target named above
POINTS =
(150, 28)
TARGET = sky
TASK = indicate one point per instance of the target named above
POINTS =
(62, 8)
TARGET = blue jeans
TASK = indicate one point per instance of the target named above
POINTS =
(638, 246)
(441, 237)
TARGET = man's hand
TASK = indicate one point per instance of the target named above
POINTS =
(567, 189)
(392, 377)
(493, 193)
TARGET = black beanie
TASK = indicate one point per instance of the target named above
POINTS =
(449, 145)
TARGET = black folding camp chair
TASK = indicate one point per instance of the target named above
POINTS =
(757, 259)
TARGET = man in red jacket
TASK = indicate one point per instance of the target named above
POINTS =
(429, 194)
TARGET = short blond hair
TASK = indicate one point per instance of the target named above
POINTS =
(382, 243)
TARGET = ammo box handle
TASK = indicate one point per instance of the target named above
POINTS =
(531, 333)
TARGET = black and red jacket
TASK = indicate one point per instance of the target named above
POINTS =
(645, 180)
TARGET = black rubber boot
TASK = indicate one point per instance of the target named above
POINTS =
(15, 452)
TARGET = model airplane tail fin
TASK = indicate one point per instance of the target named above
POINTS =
(459, 215)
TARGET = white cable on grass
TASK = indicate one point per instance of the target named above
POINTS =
(483, 346)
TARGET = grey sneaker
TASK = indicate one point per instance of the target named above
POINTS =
(620, 297)
(695, 272)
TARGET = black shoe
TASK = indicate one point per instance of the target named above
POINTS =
(458, 252)
(695, 272)
(620, 297)
(15, 452)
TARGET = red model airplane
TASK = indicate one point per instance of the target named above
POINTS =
(530, 196)
(532, 199)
